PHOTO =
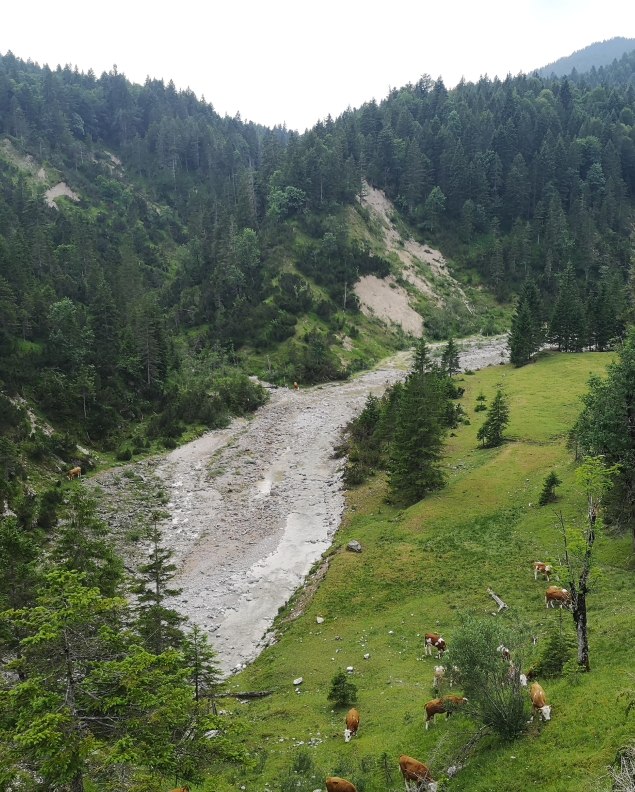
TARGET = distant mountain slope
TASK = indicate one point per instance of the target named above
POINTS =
(601, 53)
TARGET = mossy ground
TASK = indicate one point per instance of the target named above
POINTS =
(420, 570)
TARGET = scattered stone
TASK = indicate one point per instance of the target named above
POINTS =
(350, 669)
(354, 546)
(298, 681)
(319, 619)
(366, 656)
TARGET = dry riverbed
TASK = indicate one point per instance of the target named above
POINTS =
(253, 506)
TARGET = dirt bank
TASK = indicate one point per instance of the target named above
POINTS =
(253, 506)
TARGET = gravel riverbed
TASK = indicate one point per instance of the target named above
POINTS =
(253, 506)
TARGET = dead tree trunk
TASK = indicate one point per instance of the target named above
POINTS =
(579, 587)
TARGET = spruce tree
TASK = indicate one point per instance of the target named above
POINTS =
(420, 428)
(491, 433)
(521, 337)
(567, 328)
(450, 362)
(159, 626)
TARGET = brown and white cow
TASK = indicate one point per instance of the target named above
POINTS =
(444, 705)
(414, 770)
(540, 568)
(75, 472)
(555, 594)
(181, 789)
(337, 784)
(352, 724)
(436, 641)
(539, 701)
(504, 653)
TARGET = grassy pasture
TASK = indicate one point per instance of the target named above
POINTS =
(420, 570)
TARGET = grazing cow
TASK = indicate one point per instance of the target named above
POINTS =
(337, 784)
(504, 653)
(446, 704)
(414, 770)
(181, 789)
(554, 595)
(539, 701)
(352, 724)
(542, 569)
(433, 639)
(75, 472)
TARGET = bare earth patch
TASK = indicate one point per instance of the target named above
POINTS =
(382, 297)
(415, 259)
(57, 191)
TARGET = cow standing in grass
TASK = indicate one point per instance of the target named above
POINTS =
(352, 724)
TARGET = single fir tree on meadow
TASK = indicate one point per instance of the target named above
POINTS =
(450, 361)
(343, 692)
(417, 446)
(521, 341)
(491, 432)
(548, 493)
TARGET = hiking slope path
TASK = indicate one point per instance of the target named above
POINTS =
(252, 507)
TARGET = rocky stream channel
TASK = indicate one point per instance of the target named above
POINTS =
(250, 508)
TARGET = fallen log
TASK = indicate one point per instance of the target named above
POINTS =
(248, 694)
(497, 600)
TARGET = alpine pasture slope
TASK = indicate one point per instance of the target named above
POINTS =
(422, 569)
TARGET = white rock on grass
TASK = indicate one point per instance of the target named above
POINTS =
(298, 681)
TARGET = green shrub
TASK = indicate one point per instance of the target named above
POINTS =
(548, 493)
(343, 692)
(556, 651)
(496, 698)
(124, 454)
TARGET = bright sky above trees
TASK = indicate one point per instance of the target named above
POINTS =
(285, 61)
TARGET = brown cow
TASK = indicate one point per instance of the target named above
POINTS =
(556, 594)
(296, 386)
(75, 472)
(352, 724)
(539, 701)
(433, 639)
(445, 704)
(543, 569)
(337, 784)
(414, 770)
(181, 789)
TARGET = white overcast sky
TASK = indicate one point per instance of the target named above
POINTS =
(294, 62)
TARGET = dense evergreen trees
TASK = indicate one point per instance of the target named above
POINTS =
(606, 428)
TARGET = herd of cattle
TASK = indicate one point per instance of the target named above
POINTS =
(416, 774)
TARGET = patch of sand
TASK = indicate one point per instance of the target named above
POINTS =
(57, 191)
(411, 254)
(385, 299)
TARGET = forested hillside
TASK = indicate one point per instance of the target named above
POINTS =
(601, 53)
(195, 237)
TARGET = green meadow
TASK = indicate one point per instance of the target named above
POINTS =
(421, 569)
